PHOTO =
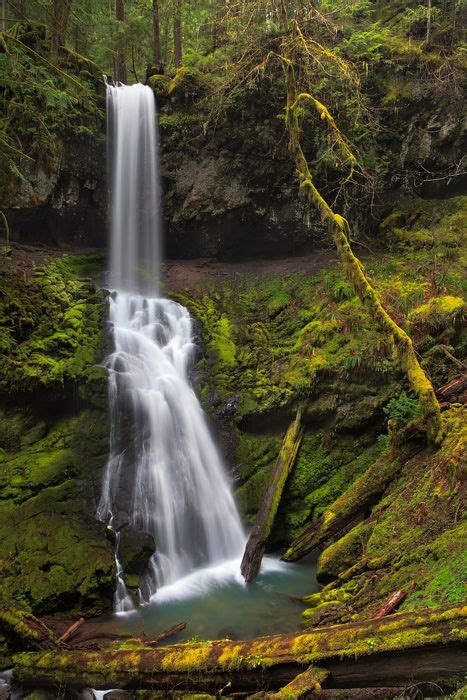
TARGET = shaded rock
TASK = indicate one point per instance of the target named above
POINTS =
(327, 614)
(229, 409)
(135, 549)
(120, 520)
(65, 204)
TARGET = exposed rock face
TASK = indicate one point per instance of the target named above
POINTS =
(231, 194)
(136, 547)
(62, 203)
(434, 143)
(221, 204)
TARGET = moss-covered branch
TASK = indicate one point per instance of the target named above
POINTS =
(250, 664)
(339, 229)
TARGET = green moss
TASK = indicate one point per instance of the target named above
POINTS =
(221, 339)
(160, 84)
(54, 335)
(54, 555)
(187, 82)
(419, 511)
(343, 554)
(438, 313)
(122, 667)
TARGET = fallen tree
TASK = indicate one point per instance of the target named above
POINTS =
(358, 499)
(256, 545)
(419, 645)
(22, 630)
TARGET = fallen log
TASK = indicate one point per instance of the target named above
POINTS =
(452, 389)
(366, 490)
(359, 693)
(262, 527)
(22, 630)
(70, 631)
(305, 684)
(391, 604)
(167, 633)
(420, 645)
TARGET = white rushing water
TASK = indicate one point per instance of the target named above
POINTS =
(163, 468)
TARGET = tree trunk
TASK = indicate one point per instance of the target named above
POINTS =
(257, 541)
(354, 502)
(178, 49)
(340, 232)
(4, 15)
(60, 15)
(21, 9)
(120, 60)
(304, 685)
(24, 631)
(429, 21)
(414, 646)
(71, 630)
(156, 33)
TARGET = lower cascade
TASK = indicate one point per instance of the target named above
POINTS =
(164, 475)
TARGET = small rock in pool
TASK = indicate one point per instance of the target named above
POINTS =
(225, 633)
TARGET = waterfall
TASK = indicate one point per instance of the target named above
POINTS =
(164, 471)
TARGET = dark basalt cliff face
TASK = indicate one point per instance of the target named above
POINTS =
(62, 203)
(232, 196)
(229, 187)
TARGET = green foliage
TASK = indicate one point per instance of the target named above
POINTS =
(369, 45)
(177, 124)
(34, 84)
(403, 410)
(187, 81)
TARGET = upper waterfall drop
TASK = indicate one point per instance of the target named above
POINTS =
(133, 164)
(164, 472)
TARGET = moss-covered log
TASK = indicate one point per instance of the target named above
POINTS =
(340, 231)
(267, 663)
(257, 541)
(305, 684)
(361, 494)
(22, 630)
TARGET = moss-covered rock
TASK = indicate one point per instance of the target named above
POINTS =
(55, 556)
(437, 314)
(51, 330)
(160, 84)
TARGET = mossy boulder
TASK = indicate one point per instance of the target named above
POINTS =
(437, 314)
(160, 85)
(55, 555)
(187, 82)
(343, 554)
(52, 330)
(135, 549)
